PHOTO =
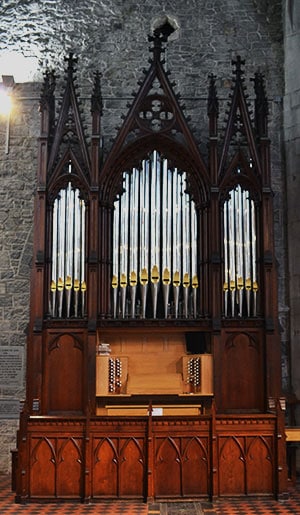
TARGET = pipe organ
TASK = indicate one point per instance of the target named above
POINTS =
(153, 344)
(240, 254)
(68, 281)
(155, 243)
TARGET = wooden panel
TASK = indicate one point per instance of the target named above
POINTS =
(69, 468)
(132, 468)
(42, 467)
(231, 466)
(102, 375)
(118, 467)
(105, 468)
(259, 465)
(128, 410)
(170, 383)
(65, 375)
(179, 451)
(195, 467)
(148, 353)
(241, 372)
(167, 468)
(292, 434)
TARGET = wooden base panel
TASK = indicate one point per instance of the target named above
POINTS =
(151, 457)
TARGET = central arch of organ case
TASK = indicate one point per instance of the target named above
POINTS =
(153, 363)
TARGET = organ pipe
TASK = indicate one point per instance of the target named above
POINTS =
(154, 242)
(240, 281)
(67, 285)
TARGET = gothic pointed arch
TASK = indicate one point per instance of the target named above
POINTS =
(239, 138)
(155, 121)
(68, 132)
(156, 177)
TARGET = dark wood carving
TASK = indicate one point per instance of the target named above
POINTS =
(116, 455)
(65, 374)
(70, 446)
(241, 382)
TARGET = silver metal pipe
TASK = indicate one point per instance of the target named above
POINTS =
(83, 295)
(166, 280)
(195, 286)
(133, 283)
(176, 284)
(144, 288)
(186, 284)
(123, 284)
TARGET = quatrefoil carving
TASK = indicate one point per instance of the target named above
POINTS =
(156, 114)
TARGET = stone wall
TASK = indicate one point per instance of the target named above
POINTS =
(111, 36)
(292, 146)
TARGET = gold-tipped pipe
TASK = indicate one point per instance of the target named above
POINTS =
(60, 288)
(176, 284)
(255, 290)
(133, 283)
(248, 295)
(68, 286)
(76, 291)
(232, 289)
(123, 284)
(154, 288)
(144, 287)
(53, 296)
(166, 280)
(186, 284)
(83, 292)
(195, 285)
(114, 284)
(240, 286)
(225, 289)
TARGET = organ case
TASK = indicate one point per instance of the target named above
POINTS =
(164, 258)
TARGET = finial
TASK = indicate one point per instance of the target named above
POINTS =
(238, 63)
(261, 101)
(47, 93)
(71, 60)
(97, 103)
(261, 105)
(213, 104)
(160, 36)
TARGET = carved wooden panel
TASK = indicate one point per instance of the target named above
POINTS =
(195, 467)
(260, 465)
(56, 467)
(42, 468)
(241, 372)
(245, 465)
(181, 466)
(231, 466)
(167, 467)
(164, 457)
(118, 467)
(65, 374)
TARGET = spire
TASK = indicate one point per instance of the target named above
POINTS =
(239, 148)
(155, 118)
(261, 105)
(160, 36)
(97, 102)
(213, 103)
(47, 93)
(69, 142)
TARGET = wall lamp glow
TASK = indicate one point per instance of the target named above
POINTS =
(6, 88)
